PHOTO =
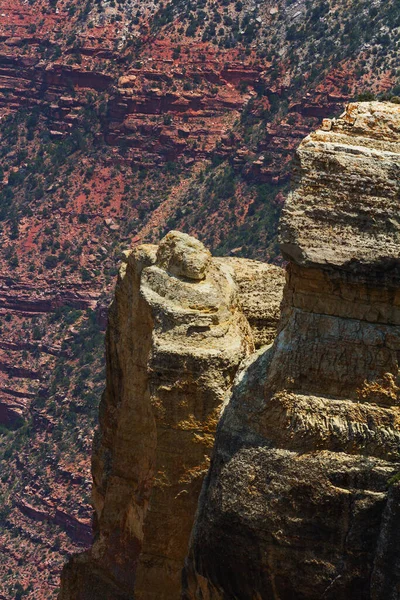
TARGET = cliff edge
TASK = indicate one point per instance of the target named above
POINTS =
(302, 497)
(177, 333)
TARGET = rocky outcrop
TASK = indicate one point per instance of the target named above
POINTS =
(301, 500)
(177, 334)
(260, 288)
(146, 101)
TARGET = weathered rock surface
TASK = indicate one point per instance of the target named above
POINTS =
(301, 500)
(261, 288)
(182, 255)
(352, 167)
(156, 95)
(176, 337)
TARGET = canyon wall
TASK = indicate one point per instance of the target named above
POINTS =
(120, 121)
(177, 334)
(302, 497)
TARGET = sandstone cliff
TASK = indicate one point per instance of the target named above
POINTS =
(176, 337)
(110, 116)
(302, 497)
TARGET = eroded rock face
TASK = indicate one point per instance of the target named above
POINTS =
(184, 256)
(260, 290)
(301, 500)
(344, 212)
(177, 334)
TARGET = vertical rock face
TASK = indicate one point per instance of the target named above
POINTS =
(260, 290)
(176, 336)
(302, 497)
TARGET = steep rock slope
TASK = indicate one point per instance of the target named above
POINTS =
(177, 334)
(121, 120)
(302, 497)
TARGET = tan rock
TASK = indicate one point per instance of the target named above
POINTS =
(353, 169)
(127, 81)
(260, 293)
(176, 337)
(183, 255)
(302, 498)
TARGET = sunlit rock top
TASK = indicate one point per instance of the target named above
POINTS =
(345, 210)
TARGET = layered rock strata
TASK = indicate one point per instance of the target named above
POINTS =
(260, 291)
(302, 497)
(177, 334)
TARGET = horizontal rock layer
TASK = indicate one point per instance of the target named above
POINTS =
(344, 210)
(301, 500)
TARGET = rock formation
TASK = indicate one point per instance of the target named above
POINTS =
(110, 114)
(177, 334)
(302, 497)
(260, 290)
